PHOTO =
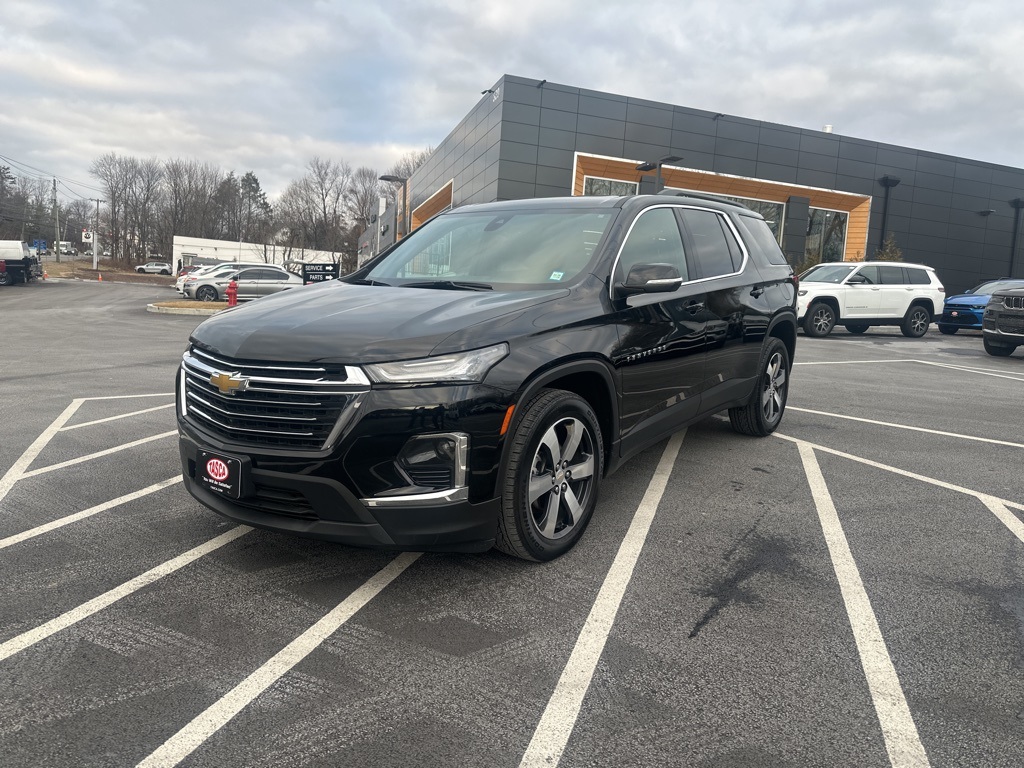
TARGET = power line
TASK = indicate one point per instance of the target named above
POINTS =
(39, 173)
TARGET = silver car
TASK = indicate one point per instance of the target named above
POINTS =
(211, 269)
(155, 268)
(252, 282)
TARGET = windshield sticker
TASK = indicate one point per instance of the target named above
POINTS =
(556, 275)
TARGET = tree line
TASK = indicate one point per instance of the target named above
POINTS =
(146, 202)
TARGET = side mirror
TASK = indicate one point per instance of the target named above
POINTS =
(650, 278)
(857, 280)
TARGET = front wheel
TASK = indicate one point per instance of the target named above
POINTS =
(915, 324)
(996, 349)
(857, 328)
(556, 460)
(947, 330)
(763, 411)
(820, 320)
(140, 270)
(6, 278)
(206, 293)
(164, 272)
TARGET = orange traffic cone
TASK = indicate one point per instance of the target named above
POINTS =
(100, 278)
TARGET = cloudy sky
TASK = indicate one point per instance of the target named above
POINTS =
(264, 86)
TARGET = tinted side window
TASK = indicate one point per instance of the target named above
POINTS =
(249, 274)
(654, 239)
(892, 276)
(917, 276)
(870, 274)
(713, 254)
(762, 236)
(272, 274)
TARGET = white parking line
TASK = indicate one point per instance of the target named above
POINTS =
(12, 475)
(906, 426)
(857, 362)
(115, 418)
(979, 371)
(987, 499)
(98, 454)
(559, 718)
(208, 722)
(60, 523)
(901, 738)
(31, 637)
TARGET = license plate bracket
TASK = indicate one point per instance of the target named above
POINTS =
(220, 473)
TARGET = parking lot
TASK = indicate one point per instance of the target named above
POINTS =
(846, 592)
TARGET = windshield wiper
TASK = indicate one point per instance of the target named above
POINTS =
(450, 285)
(367, 281)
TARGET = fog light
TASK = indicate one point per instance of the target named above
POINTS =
(435, 462)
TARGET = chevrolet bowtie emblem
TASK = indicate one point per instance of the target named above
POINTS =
(228, 383)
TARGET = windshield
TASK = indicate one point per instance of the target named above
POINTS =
(511, 249)
(827, 273)
(996, 285)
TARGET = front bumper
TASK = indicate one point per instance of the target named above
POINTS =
(965, 318)
(302, 504)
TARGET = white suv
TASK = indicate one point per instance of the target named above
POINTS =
(861, 294)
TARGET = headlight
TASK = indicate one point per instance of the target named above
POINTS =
(469, 367)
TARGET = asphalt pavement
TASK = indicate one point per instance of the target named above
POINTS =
(849, 592)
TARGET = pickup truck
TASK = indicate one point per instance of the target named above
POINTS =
(17, 265)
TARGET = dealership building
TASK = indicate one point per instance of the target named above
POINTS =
(826, 196)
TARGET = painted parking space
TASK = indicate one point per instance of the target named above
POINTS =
(846, 592)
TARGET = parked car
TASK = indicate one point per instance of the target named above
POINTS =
(1003, 324)
(209, 269)
(473, 385)
(859, 295)
(966, 310)
(252, 283)
(155, 268)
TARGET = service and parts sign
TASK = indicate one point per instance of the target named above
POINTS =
(319, 273)
(219, 473)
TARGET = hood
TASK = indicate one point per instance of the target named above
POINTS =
(353, 324)
(967, 299)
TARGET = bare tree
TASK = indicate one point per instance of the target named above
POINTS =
(404, 168)
(363, 198)
(313, 207)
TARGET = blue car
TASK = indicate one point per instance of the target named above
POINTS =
(965, 310)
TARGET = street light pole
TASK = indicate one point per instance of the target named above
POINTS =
(96, 234)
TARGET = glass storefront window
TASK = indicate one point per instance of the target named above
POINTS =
(826, 235)
(774, 213)
(592, 185)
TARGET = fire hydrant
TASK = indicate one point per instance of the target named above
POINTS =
(232, 293)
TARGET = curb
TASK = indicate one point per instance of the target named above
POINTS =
(180, 310)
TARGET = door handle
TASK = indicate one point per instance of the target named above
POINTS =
(694, 307)
(756, 291)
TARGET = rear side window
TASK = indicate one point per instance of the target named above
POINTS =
(762, 236)
(715, 251)
(917, 276)
(892, 275)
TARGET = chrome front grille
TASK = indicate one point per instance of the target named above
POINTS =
(272, 405)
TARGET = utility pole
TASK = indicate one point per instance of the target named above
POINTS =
(56, 223)
(96, 234)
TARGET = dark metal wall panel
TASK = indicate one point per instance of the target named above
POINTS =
(521, 141)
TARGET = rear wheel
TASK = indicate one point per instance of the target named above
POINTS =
(6, 278)
(915, 324)
(763, 412)
(996, 349)
(948, 330)
(820, 320)
(555, 464)
(206, 293)
(857, 328)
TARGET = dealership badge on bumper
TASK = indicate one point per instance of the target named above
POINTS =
(220, 474)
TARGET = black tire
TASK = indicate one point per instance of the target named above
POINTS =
(915, 323)
(547, 526)
(164, 272)
(206, 293)
(140, 270)
(947, 330)
(857, 328)
(996, 349)
(820, 320)
(6, 278)
(763, 411)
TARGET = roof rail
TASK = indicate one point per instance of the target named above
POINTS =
(701, 196)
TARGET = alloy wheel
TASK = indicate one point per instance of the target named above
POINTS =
(561, 478)
(773, 399)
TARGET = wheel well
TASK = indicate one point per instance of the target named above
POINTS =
(830, 300)
(786, 333)
(926, 303)
(592, 388)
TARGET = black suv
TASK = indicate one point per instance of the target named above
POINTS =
(1002, 325)
(472, 385)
